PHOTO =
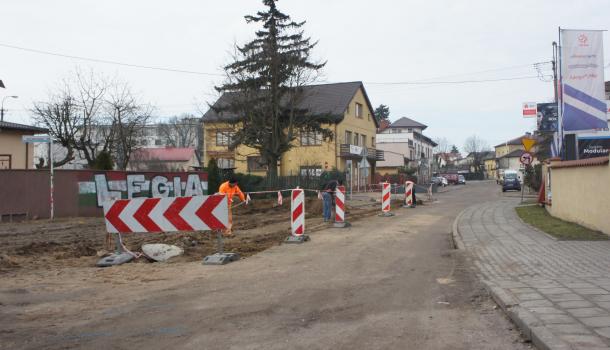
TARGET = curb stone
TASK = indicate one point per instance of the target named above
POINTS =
(530, 326)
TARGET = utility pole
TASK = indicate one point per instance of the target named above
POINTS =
(554, 62)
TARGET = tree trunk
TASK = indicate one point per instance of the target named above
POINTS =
(272, 171)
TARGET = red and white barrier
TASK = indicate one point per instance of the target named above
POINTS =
(199, 213)
(409, 193)
(386, 197)
(340, 206)
(297, 209)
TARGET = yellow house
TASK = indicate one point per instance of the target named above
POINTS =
(351, 149)
(14, 154)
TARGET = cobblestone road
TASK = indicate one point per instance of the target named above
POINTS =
(564, 284)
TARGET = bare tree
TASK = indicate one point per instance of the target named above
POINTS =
(60, 116)
(127, 119)
(90, 114)
(180, 131)
(476, 147)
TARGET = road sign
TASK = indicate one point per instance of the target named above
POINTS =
(198, 213)
(35, 138)
(528, 143)
(529, 109)
(526, 158)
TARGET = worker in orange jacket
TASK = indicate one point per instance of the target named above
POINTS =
(230, 189)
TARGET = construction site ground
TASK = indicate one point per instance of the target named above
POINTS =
(382, 283)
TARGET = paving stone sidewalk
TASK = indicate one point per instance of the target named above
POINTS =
(558, 292)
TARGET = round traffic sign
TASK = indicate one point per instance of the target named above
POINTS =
(526, 158)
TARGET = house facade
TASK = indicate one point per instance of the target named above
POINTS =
(352, 148)
(405, 136)
(14, 153)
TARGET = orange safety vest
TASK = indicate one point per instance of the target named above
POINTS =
(231, 191)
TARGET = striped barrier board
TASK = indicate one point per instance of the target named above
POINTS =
(340, 206)
(198, 213)
(297, 210)
(386, 198)
(408, 193)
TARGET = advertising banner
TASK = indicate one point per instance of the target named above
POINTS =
(547, 116)
(593, 146)
(582, 77)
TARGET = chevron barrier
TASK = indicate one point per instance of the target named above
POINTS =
(198, 213)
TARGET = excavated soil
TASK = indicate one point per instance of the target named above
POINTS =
(78, 242)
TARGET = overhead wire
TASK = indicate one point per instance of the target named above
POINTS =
(98, 60)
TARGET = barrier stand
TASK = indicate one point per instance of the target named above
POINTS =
(340, 208)
(118, 257)
(220, 257)
(408, 195)
(386, 199)
(297, 217)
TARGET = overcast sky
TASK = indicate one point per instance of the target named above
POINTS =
(374, 42)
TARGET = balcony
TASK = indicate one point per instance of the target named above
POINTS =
(349, 151)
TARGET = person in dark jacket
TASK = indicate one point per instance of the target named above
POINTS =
(328, 194)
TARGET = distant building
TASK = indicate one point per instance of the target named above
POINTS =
(164, 159)
(186, 135)
(508, 155)
(405, 136)
(14, 154)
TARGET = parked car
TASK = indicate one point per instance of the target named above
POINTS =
(511, 181)
(439, 181)
(461, 180)
(451, 178)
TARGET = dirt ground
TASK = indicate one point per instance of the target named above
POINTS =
(383, 283)
(81, 242)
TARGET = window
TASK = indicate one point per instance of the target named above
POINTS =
(311, 138)
(363, 140)
(226, 163)
(5, 161)
(315, 170)
(224, 138)
(144, 142)
(358, 110)
(396, 131)
(356, 139)
(256, 163)
(158, 142)
(369, 116)
(348, 137)
(373, 141)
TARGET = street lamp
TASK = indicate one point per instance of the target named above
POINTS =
(2, 107)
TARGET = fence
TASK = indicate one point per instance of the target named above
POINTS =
(24, 194)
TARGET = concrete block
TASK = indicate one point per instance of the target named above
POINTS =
(564, 297)
(571, 328)
(591, 291)
(536, 303)
(544, 339)
(604, 332)
(587, 312)
(574, 304)
(599, 321)
(583, 341)
(556, 319)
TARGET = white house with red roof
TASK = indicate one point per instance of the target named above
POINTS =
(164, 159)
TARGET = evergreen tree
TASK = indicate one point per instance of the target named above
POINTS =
(103, 161)
(382, 112)
(454, 149)
(265, 83)
(214, 176)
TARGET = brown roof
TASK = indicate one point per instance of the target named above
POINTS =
(579, 162)
(21, 127)
(323, 99)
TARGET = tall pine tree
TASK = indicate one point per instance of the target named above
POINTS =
(265, 83)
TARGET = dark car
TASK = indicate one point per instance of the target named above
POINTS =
(511, 182)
